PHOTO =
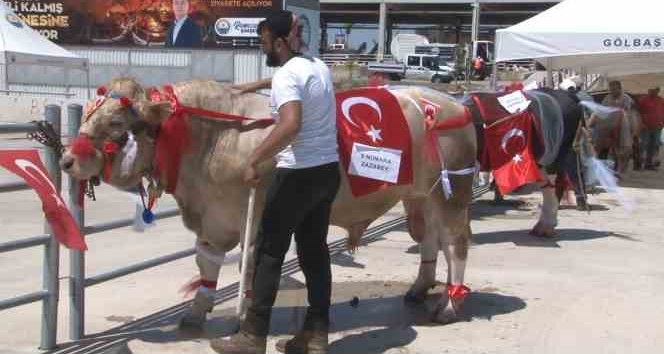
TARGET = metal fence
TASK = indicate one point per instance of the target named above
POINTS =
(51, 274)
(78, 279)
(347, 58)
(48, 295)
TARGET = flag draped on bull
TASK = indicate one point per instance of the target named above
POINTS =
(374, 140)
(508, 152)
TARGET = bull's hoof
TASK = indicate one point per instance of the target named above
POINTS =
(196, 315)
(449, 313)
(413, 297)
(192, 321)
(543, 231)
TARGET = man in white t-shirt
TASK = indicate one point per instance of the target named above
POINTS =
(299, 198)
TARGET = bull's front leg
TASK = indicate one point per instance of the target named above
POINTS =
(209, 261)
(548, 218)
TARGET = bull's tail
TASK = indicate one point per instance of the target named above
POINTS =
(602, 175)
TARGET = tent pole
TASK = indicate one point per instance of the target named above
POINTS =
(382, 16)
(584, 75)
(6, 67)
(549, 73)
(494, 65)
(87, 86)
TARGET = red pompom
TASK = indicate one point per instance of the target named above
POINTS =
(101, 91)
(82, 147)
(125, 102)
(110, 147)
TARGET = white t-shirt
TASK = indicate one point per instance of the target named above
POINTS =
(307, 80)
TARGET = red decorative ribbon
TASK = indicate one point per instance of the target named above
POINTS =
(457, 291)
(109, 149)
(195, 283)
(173, 138)
(432, 127)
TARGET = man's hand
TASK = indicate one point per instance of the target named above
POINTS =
(251, 177)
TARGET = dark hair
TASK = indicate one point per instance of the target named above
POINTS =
(278, 23)
(615, 83)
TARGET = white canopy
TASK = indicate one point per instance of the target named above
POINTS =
(607, 37)
(20, 44)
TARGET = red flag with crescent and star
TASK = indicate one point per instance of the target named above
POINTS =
(27, 165)
(374, 140)
(509, 151)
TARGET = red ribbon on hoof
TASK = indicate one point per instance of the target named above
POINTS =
(195, 283)
(457, 291)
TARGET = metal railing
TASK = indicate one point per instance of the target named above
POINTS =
(514, 65)
(345, 58)
(78, 279)
(48, 295)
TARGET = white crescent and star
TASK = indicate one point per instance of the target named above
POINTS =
(39, 176)
(513, 133)
(348, 103)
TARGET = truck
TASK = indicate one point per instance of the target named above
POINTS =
(416, 67)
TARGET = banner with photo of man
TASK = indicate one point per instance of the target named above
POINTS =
(151, 23)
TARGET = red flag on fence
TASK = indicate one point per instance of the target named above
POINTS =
(509, 151)
(27, 165)
(374, 140)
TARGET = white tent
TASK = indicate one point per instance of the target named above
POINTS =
(20, 44)
(608, 37)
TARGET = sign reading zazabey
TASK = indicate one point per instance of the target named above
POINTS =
(378, 163)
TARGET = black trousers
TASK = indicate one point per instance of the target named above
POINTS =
(650, 143)
(298, 201)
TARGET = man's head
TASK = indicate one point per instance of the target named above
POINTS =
(180, 8)
(275, 32)
(653, 92)
(615, 89)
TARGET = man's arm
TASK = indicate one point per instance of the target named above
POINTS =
(264, 84)
(290, 121)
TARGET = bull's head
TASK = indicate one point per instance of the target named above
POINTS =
(115, 127)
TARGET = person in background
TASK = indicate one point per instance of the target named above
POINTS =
(478, 66)
(651, 108)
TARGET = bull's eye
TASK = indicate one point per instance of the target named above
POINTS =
(116, 124)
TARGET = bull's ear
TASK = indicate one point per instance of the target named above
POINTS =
(154, 112)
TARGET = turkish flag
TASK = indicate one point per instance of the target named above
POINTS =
(27, 165)
(508, 149)
(371, 119)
